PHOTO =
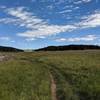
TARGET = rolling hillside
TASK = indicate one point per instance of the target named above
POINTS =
(69, 47)
(9, 49)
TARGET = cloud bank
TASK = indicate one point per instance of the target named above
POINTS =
(78, 39)
(37, 27)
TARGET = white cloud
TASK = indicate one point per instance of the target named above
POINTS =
(12, 41)
(30, 39)
(61, 40)
(82, 1)
(2, 7)
(25, 18)
(77, 2)
(86, 1)
(65, 11)
(77, 39)
(37, 27)
(76, 8)
(5, 38)
(14, 21)
(68, 6)
(90, 21)
(50, 7)
(46, 30)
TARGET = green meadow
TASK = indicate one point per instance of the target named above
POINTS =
(26, 75)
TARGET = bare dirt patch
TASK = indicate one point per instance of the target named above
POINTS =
(4, 57)
(53, 88)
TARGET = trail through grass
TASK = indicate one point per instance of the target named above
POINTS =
(53, 88)
(72, 75)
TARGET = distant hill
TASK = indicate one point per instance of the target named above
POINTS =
(69, 47)
(9, 49)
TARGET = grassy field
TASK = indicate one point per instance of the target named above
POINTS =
(27, 76)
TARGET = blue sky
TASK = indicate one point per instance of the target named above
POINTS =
(31, 24)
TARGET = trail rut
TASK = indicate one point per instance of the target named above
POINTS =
(53, 88)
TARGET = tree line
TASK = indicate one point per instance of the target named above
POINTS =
(69, 47)
(9, 49)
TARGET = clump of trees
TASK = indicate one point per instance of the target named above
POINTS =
(68, 47)
(9, 49)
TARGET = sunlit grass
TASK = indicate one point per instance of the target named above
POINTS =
(26, 75)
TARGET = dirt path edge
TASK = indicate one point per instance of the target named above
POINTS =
(53, 88)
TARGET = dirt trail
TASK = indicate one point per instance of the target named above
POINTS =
(53, 88)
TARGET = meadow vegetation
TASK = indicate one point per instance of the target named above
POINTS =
(26, 76)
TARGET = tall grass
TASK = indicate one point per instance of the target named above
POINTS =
(27, 75)
(23, 79)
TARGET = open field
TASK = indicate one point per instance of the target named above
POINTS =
(65, 75)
